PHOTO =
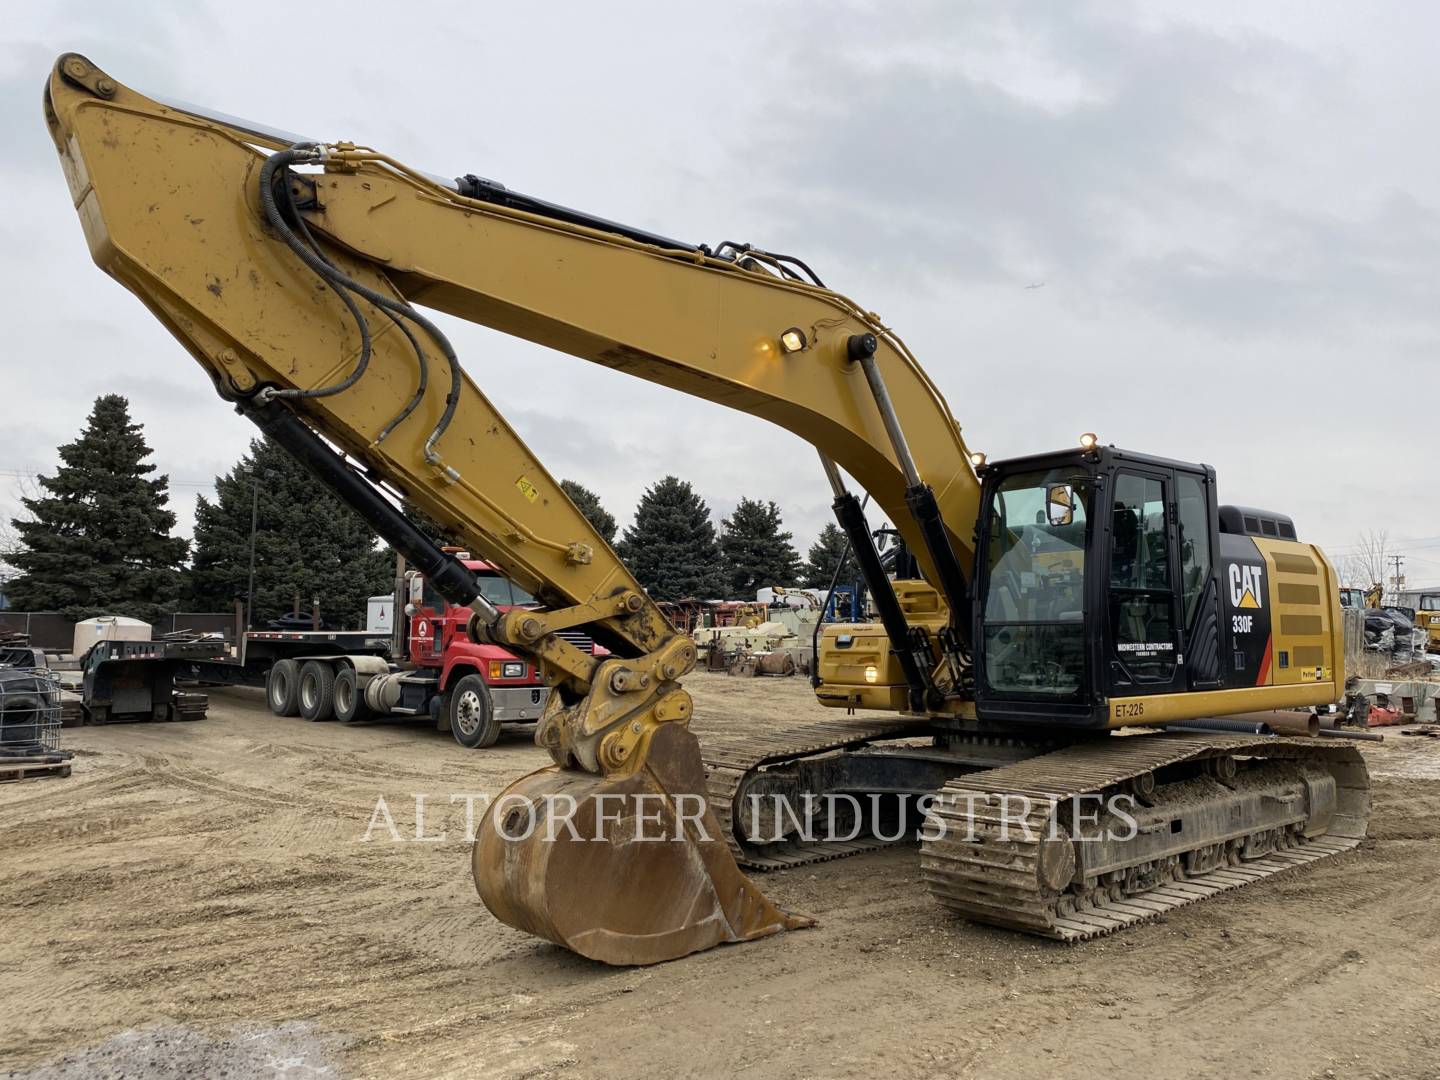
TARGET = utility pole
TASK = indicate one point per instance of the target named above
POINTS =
(1398, 581)
(254, 523)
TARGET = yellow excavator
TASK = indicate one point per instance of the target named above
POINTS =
(1059, 597)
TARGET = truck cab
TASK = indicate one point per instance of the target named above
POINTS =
(471, 688)
(417, 660)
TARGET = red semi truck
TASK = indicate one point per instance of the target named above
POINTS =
(425, 666)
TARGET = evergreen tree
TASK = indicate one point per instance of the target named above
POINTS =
(98, 539)
(426, 524)
(306, 542)
(671, 547)
(588, 504)
(825, 555)
(756, 552)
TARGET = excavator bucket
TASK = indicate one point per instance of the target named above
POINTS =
(626, 870)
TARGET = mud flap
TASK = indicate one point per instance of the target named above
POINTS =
(630, 870)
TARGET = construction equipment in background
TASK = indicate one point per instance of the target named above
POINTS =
(773, 637)
(1059, 597)
(1427, 617)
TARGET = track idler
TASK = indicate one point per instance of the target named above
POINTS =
(628, 869)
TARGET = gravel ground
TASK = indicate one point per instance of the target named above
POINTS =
(197, 899)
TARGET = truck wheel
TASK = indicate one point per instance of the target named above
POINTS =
(280, 688)
(317, 690)
(472, 716)
(349, 698)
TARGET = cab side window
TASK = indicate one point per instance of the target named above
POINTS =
(1141, 595)
(1194, 541)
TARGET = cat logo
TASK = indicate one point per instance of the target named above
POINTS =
(1247, 585)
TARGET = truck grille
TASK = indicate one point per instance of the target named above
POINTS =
(581, 640)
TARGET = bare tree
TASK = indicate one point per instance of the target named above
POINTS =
(23, 488)
(1368, 562)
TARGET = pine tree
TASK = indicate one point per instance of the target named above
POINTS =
(756, 552)
(427, 525)
(588, 504)
(825, 555)
(98, 540)
(671, 547)
(306, 542)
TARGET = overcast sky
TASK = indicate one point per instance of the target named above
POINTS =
(1231, 209)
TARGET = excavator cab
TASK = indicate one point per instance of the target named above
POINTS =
(1108, 581)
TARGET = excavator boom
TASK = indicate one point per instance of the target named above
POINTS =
(292, 272)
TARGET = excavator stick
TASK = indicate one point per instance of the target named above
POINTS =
(272, 280)
(627, 870)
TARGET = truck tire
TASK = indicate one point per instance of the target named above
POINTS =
(349, 699)
(472, 716)
(317, 690)
(281, 685)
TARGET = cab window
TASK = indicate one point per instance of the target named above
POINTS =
(431, 598)
(1194, 541)
(495, 588)
(1034, 633)
(1141, 596)
(502, 592)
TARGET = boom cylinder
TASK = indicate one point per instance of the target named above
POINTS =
(447, 574)
(851, 517)
(919, 496)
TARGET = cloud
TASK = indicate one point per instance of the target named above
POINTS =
(1231, 205)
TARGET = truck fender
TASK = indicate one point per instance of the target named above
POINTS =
(457, 670)
(366, 667)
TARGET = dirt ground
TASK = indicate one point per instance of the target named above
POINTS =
(197, 899)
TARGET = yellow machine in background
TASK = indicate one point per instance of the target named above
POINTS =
(1427, 617)
(1064, 595)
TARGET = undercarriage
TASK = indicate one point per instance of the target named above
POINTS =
(1067, 838)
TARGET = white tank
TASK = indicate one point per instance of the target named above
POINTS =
(108, 628)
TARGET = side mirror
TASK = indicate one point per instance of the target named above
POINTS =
(1060, 504)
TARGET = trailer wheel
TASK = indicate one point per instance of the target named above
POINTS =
(281, 685)
(317, 690)
(350, 704)
(472, 715)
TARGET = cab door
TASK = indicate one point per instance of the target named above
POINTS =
(1197, 532)
(427, 624)
(1145, 626)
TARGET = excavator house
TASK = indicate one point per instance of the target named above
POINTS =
(1059, 597)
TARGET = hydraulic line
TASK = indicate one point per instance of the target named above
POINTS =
(908, 649)
(422, 383)
(277, 220)
(447, 574)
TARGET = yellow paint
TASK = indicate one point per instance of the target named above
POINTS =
(1198, 704)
